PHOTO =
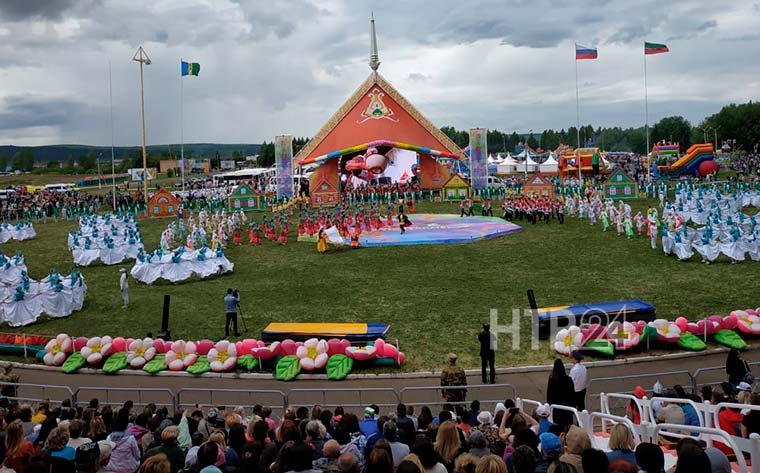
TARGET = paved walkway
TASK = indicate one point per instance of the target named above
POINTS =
(526, 382)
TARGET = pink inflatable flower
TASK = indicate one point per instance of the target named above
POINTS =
(181, 355)
(264, 352)
(624, 336)
(568, 340)
(746, 322)
(56, 350)
(140, 352)
(223, 357)
(312, 354)
(96, 348)
(361, 353)
(666, 331)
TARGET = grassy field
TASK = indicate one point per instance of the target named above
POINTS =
(435, 297)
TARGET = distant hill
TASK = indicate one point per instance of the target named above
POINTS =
(192, 150)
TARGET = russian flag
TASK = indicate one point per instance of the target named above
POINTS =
(582, 52)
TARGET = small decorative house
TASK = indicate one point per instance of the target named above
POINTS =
(163, 204)
(620, 186)
(456, 188)
(538, 185)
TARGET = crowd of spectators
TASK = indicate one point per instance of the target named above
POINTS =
(459, 438)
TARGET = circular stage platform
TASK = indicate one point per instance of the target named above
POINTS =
(436, 229)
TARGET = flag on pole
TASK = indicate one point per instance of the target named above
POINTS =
(190, 68)
(655, 48)
(582, 52)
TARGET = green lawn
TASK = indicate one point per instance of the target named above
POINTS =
(434, 297)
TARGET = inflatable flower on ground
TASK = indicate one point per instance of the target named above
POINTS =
(666, 331)
(388, 350)
(264, 352)
(361, 353)
(181, 355)
(568, 340)
(624, 336)
(746, 322)
(96, 348)
(223, 357)
(140, 352)
(56, 350)
(312, 354)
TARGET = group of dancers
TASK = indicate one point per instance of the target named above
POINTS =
(533, 208)
(721, 226)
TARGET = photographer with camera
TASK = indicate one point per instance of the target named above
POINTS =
(231, 301)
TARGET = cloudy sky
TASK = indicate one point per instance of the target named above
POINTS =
(284, 66)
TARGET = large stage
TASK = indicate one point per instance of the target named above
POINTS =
(435, 229)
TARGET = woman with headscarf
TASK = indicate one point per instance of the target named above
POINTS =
(560, 391)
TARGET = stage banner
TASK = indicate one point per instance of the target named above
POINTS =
(283, 155)
(478, 158)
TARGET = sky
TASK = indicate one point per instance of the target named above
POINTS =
(284, 66)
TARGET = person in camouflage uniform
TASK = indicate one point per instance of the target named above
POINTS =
(453, 375)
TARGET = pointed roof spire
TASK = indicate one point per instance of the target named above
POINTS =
(374, 59)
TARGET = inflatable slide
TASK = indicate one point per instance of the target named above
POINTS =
(688, 164)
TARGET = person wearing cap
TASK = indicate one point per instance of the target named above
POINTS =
(453, 375)
(579, 375)
(124, 287)
(487, 354)
(544, 424)
(368, 425)
(550, 446)
(632, 409)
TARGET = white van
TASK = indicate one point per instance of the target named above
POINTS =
(496, 183)
(62, 187)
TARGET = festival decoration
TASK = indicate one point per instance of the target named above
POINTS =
(287, 368)
(96, 348)
(223, 356)
(140, 352)
(360, 353)
(181, 356)
(57, 350)
(338, 367)
(568, 340)
(116, 362)
(312, 354)
(747, 322)
(263, 352)
(623, 335)
(666, 331)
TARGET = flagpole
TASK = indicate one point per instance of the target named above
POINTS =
(646, 116)
(143, 59)
(182, 127)
(577, 121)
(113, 166)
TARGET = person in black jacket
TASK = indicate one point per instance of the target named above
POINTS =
(560, 391)
(487, 354)
(736, 368)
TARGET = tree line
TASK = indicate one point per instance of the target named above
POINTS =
(733, 122)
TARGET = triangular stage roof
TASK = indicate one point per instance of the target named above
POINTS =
(375, 111)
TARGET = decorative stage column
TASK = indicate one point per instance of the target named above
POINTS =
(478, 158)
(283, 153)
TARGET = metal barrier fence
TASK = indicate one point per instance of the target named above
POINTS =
(138, 396)
(714, 374)
(189, 397)
(30, 392)
(346, 397)
(487, 394)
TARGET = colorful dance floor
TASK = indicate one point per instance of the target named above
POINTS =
(436, 229)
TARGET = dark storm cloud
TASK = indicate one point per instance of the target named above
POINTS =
(19, 10)
(27, 111)
(284, 66)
